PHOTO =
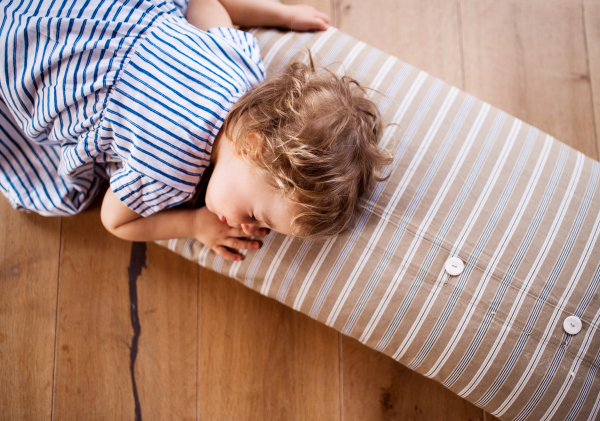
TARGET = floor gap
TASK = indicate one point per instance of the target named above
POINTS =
(589, 69)
(341, 368)
(136, 263)
(56, 318)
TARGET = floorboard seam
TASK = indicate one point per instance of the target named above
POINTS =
(56, 321)
(198, 280)
(461, 46)
(341, 377)
(589, 70)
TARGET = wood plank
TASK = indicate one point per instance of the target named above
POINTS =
(29, 253)
(422, 33)
(592, 28)
(376, 387)
(529, 59)
(260, 360)
(94, 332)
(103, 281)
(166, 369)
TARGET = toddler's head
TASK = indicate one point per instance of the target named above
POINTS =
(313, 136)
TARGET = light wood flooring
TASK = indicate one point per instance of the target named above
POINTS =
(95, 328)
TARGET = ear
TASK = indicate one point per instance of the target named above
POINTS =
(254, 138)
(232, 148)
(253, 144)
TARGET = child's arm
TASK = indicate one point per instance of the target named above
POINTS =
(299, 17)
(206, 14)
(201, 224)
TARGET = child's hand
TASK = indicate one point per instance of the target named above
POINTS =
(302, 17)
(219, 236)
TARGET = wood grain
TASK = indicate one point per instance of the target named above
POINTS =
(529, 59)
(378, 388)
(94, 332)
(260, 360)
(592, 28)
(166, 367)
(28, 283)
(422, 33)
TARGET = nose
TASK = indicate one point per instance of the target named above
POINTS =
(253, 229)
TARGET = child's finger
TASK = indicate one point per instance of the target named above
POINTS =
(226, 254)
(310, 24)
(236, 232)
(323, 16)
(237, 243)
(315, 22)
(322, 24)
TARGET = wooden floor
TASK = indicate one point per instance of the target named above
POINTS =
(95, 328)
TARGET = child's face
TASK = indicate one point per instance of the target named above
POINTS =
(239, 196)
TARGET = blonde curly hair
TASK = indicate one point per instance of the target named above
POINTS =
(317, 143)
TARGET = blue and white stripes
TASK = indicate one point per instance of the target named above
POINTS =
(121, 89)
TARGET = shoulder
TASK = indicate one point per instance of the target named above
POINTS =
(241, 49)
(242, 41)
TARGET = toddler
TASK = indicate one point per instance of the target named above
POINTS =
(132, 92)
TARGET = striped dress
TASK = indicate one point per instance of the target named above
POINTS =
(118, 89)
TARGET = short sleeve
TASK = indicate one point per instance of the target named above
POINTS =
(246, 45)
(181, 5)
(143, 194)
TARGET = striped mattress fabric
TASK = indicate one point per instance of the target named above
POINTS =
(521, 211)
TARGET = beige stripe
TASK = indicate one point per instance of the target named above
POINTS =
(541, 346)
(382, 305)
(387, 65)
(275, 49)
(274, 265)
(501, 336)
(358, 47)
(575, 366)
(482, 199)
(398, 193)
(323, 38)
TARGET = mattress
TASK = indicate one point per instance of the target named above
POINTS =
(477, 263)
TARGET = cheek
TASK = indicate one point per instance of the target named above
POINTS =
(214, 200)
(208, 199)
(225, 195)
(218, 202)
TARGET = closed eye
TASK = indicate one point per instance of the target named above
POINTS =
(255, 219)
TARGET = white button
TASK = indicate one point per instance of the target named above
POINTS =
(572, 325)
(454, 266)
